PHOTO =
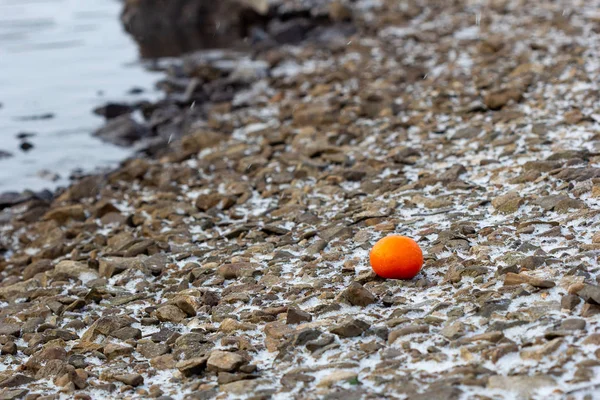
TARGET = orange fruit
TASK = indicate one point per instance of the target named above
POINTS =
(396, 257)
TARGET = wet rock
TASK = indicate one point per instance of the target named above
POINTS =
(122, 131)
(112, 110)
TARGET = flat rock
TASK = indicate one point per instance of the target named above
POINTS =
(224, 361)
(524, 386)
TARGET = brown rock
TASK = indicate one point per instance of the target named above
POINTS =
(170, 313)
(37, 267)
(350, 328)
(9, 329)
(237, 270)
(224, 361)
(15, 380)
(130, 379)
(357, 295)
(296, 316)
(508, 203)
(193, 366)
(409, 330)
(516, 279)
(149, 349)
(498, 99)
(112, 350)
(63, 214)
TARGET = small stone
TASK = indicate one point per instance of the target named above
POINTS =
(76, 270)
(130, 379)
(337, 376)
(409, 330)
(453, 331)
(13, 394)
(524, 386)
(324, 340)
(517, 279)
(351, 328)
(193, 366)
(66, 213)
(127, 333)
(15, 380)
(8, 329)
(224, 361)
(37, 267)
(296, 316)
(170, 313)
(545, 350)
(9, 348)
(573, 324)
(508, 203)
(498, 99)
(149, 349)
(357, 295)
(590, 294)
(594, 339)
(237, 270)
(112, 350)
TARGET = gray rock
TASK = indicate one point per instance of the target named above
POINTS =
(569, 302)
(573, 324)
(122, 131)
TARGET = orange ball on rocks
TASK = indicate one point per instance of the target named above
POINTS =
(396, 257)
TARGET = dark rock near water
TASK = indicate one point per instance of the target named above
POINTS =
(122, 131)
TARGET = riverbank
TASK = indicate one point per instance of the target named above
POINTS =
(232, 260)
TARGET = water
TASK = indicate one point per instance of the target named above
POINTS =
(62, 57)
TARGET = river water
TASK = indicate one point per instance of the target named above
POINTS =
(59, 59)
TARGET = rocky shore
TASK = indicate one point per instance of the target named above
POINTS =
(231, 259)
